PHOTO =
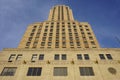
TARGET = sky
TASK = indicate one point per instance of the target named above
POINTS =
(102, 15)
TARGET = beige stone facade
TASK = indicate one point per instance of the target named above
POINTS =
(100, 67)
(59, 48)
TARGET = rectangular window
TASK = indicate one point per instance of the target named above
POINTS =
(86, 57)
(56, 57)
(34, 71)
(92, 42)
(79, 56)
(33, 30)
(49, 43)
(60, 71)
(44, 38)
(41, 57)
(109, 56)
(11, 58)
(34, 57)
(19, 56)
(64, 57)
(28, 43)
(30, 38)
(42, 43)
(31, 34)
(102, 56)
(86, 71)
(8, 71)
(91, 38)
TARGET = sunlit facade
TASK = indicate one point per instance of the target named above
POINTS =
(59, 48)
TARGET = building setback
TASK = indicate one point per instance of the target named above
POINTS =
(59, 48)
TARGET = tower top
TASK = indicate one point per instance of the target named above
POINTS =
(61, 13)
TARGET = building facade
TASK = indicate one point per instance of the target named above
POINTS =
(60, 48)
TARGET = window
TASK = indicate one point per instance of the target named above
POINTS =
(89, 33)
(19, 56)
(12, 57)
(38, 34)
(50, 38)
(8, 71)
(64, 57)
(33, 30)
(71, 44)
(39, 30)
(86, 71)
(50, 34)
(34, 57)
(86, 56)
(78, 43)
(42, 43)
(46, 26)
(35, 43)
(36, 39)
(51, 30)
(57, 38)
(41, 56)
(86, 26)
(109, 56)
(30, 39)
(31, 34)
(44, 38)
(79, 56)
(63, 43)
(81, 29)
(57, 44)
(28, 44)
(52, 23)
(34, 71)
(92, 42)
(87, 29)
(45, 34)
(60, 71)
(51, 27)
(80, 26)
(49, 43)
(34, 26)
(91, 38)
(102, 56)
(56, 57)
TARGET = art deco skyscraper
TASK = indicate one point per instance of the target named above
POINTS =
(59, 31)
(59, 48)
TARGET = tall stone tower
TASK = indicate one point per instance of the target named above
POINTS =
(59, 48)
(59, 31)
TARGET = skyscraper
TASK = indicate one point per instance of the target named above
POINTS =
(59, 48)
(59, 31)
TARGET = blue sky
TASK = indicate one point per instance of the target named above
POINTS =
(103, 15)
